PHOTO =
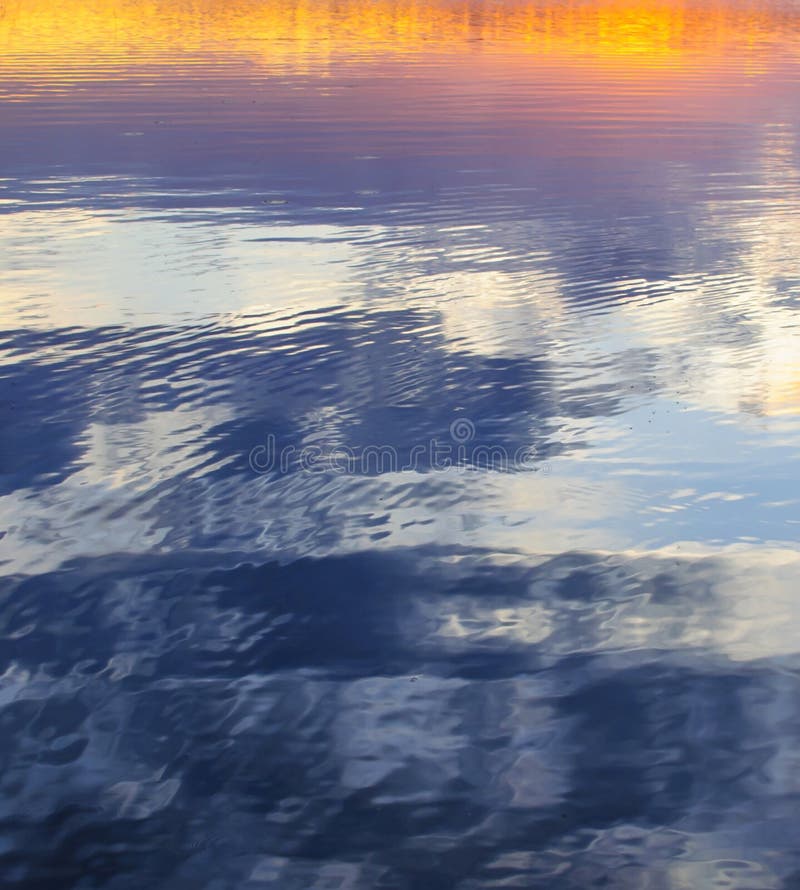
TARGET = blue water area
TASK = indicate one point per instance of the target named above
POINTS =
(399, 437)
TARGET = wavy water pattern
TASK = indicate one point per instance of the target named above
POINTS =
(399, 432)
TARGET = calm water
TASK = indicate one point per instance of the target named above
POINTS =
(400, 433)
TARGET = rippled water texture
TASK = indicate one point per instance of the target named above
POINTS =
(400, 432)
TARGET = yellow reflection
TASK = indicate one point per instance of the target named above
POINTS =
(783, 394)
(85, 35)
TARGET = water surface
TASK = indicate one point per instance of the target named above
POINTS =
(400, 430)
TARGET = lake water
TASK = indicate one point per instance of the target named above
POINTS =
(400, 425)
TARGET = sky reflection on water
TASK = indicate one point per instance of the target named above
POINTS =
(572, 227)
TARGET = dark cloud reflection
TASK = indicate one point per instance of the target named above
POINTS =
(320, 719)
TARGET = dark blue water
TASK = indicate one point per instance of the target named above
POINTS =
(399, 426)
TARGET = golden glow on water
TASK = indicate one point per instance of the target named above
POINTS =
(77, 37)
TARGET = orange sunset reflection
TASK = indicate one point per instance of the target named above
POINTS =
(85, 36)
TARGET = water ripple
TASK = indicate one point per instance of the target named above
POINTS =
(399, 423)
